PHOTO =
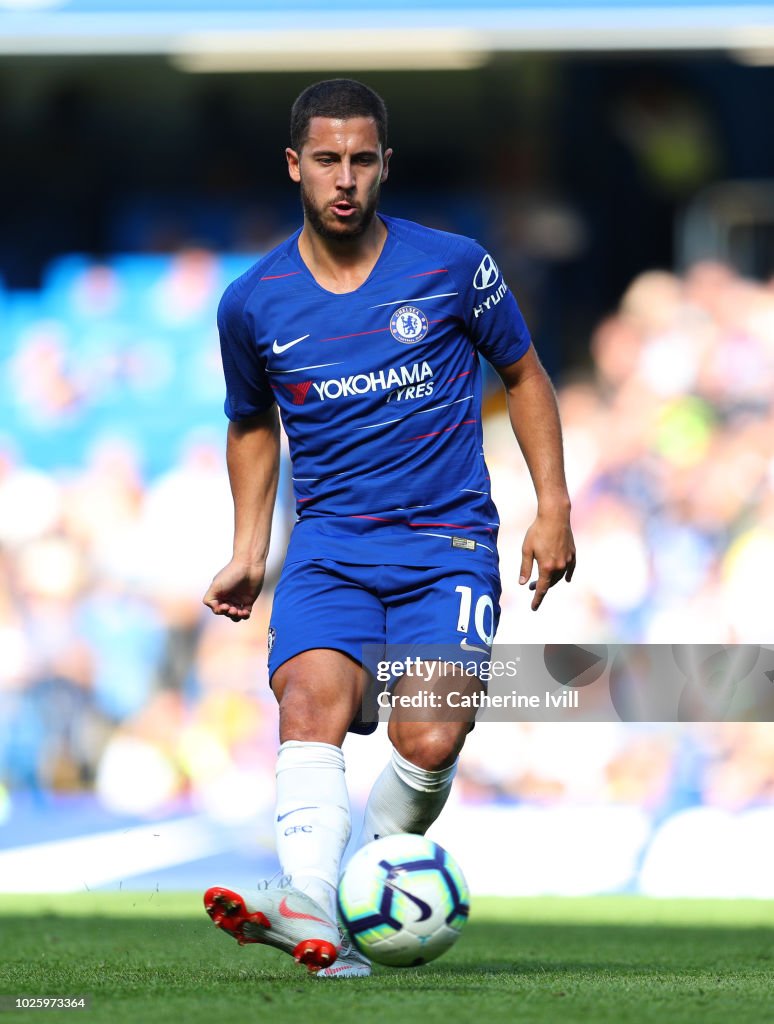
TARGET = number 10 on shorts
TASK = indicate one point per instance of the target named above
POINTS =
(484, 623)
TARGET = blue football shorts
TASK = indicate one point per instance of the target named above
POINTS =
(329, 604)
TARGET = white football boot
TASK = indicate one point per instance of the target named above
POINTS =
(285, 918)
(350, 963)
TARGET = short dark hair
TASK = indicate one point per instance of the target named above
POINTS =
(336, 97)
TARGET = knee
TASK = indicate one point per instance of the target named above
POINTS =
(299, 711)
(431, 747)
(313, 710)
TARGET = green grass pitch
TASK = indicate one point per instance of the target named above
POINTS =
(156, 957)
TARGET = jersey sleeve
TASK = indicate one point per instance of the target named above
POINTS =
(492, 316)
(247, 384)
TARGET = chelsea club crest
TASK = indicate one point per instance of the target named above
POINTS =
(408, 325)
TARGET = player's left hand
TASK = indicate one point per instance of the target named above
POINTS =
(550, 543)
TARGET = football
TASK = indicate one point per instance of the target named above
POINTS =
(403, 900)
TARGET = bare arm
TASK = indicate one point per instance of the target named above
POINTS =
(252, 456)
(535, 420)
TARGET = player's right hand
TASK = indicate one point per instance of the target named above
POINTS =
(234, 590)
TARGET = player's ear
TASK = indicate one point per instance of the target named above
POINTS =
(293, 160)
(386, 167)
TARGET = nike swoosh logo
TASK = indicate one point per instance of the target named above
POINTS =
(294, 915)
(279, 349)
(281, 817)
(472, 647)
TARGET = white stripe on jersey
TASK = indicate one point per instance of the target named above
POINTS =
(447, 536)
(298, 369)
(416, 412)
(348, 473)
(422, 298)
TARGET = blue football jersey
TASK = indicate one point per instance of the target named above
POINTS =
(379, 391)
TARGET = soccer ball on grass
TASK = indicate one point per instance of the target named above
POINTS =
(403, 900)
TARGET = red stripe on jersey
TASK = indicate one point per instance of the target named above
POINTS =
(302, 500)
(458, 376)
(358, 334)
(427, 273)
(454, 526)
(378, 330)
(435, 433)
(276, 277)
(378, 519)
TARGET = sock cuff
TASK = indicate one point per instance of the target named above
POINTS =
(303, 754)
(420, 778)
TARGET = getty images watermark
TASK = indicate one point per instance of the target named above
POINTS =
(568, 682)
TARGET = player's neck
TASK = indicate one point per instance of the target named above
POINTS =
(342, 266)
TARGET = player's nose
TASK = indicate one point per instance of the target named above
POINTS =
(345, 178)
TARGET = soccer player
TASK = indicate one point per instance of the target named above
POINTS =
(366, 331)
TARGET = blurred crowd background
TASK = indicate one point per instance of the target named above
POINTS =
(115, 512)
(616, 196)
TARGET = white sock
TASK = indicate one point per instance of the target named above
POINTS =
(405, 798)
(313, 819)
